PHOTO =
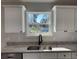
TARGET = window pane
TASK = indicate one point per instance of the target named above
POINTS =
(44, 28)
(33, 28)
(38, 22)
(30, 18)
(38, 18)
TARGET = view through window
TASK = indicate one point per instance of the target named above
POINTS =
(38, 22)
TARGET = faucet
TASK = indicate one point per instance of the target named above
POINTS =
(40, 39)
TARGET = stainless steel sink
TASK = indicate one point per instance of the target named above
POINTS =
(39, 47)
(47, 48)
(33, 48)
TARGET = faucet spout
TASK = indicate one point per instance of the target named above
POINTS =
(40, 39)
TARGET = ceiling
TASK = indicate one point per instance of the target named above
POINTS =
(40, 1)
(29, 0)
(39, 5)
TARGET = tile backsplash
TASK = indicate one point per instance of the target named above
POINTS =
(57, 36)
(10, 39)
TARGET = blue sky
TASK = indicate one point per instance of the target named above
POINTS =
(40, 17)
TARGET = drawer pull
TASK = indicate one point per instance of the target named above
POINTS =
(11, 54)
(10, 57)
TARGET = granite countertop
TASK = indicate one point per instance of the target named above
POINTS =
(23, 49)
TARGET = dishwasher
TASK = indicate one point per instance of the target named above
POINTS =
(11, 56)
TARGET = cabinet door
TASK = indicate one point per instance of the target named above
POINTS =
(74, 55)
(69, 19)
(48, 55)
(3, 56)
(14, 18)
(75, 18)
(65, 19)
(30, 55)
(64, 55)
(60, 20)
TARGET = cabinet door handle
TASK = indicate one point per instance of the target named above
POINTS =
(64, 55)
(65, 30)
(75, 30)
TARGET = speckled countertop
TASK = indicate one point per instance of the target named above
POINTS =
(23, 49)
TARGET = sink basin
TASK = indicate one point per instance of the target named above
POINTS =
(42, 48)
(33, 48)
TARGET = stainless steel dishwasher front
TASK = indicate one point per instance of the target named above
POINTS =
(11, 56)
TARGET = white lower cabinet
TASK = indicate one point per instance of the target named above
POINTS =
(74, 55)
(39, 55)
(30, 55)
(48, 55)
(64, 55)
(59, 55)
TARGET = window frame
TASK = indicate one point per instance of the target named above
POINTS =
(49, 33)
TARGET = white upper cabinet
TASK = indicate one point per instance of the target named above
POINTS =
(64, 17)
(14, 18)
(75, 18)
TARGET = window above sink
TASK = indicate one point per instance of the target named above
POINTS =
(38, 23)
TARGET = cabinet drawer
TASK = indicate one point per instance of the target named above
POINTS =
(11, 55)
(64, 55)
(49, 55)
(11, 58)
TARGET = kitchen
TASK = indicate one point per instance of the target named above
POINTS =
(26, 36)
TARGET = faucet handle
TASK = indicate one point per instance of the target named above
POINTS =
(40, 39)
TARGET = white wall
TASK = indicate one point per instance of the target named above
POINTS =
(3, 41)
(20, 37)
